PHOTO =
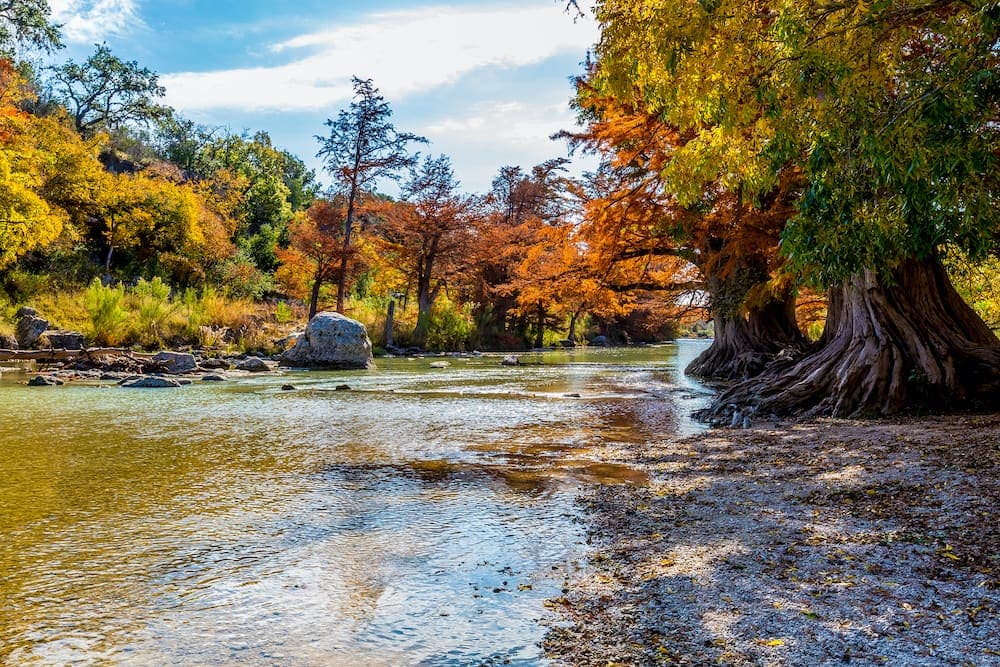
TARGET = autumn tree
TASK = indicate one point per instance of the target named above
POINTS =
(518, 205)
(889, 113)
(313, 256)
(428, 232)
(146, 214)
(48, 175)
(641, 234)
(106, 93)
(362, 146)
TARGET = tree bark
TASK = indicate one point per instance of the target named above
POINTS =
(348, 227)
(571, 336)
(314, 296)
(914, 344)
(745, 344)
(540, 326)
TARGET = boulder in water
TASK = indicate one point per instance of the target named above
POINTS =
(332, 341)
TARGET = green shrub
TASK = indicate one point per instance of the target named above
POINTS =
(283, 313)
(450, 325)
(153, 308)
(108, 317)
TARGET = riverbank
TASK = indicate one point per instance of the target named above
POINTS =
(826, 542)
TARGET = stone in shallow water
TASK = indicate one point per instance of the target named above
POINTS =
(213, 378)
(151, 382)
(44, 381)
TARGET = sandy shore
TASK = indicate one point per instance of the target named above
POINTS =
(829, 542)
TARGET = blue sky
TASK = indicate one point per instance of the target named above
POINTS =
(486, 82)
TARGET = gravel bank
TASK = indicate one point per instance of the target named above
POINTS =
(829, 542)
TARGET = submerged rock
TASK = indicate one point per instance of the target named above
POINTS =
(332, 341)
(213, 378)
(510, 360)
(151, 382)
(440, 364)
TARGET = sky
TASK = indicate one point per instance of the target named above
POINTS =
(486, 82)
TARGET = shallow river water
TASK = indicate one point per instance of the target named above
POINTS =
(421, 518)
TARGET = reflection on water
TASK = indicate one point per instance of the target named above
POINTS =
(422, 517)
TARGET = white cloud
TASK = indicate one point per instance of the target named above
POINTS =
(482, 137)
(405, 52)
(509, 123)
(89, 21)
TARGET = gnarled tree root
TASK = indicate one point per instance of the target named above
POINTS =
(914, 345)
(744, 346)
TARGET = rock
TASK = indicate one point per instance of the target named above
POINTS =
(215, 364)
(600, 341)
(510, 360)
(254, 365)
(332, 341)
(7, 342)
(29, 329)
(567, 343)
(175, 362)
(440, 364)
(288, 387)
(62, 340)
(213, 378)
(44, 381)
(106, 377)
(150, 382)
(25, 311)
(342, 387)
(571, 395)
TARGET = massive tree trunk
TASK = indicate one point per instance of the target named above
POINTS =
(745, 344)
(914, 344)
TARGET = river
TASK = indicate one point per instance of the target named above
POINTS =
(423, 517)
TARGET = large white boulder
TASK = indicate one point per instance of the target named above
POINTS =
(331, 341)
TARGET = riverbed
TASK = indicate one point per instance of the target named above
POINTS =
(423, 516)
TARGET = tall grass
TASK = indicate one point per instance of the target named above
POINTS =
(150, 315)
(106, 308)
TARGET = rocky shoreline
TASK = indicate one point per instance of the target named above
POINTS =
(828, 542)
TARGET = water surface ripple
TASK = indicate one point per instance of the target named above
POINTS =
(421, 518)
